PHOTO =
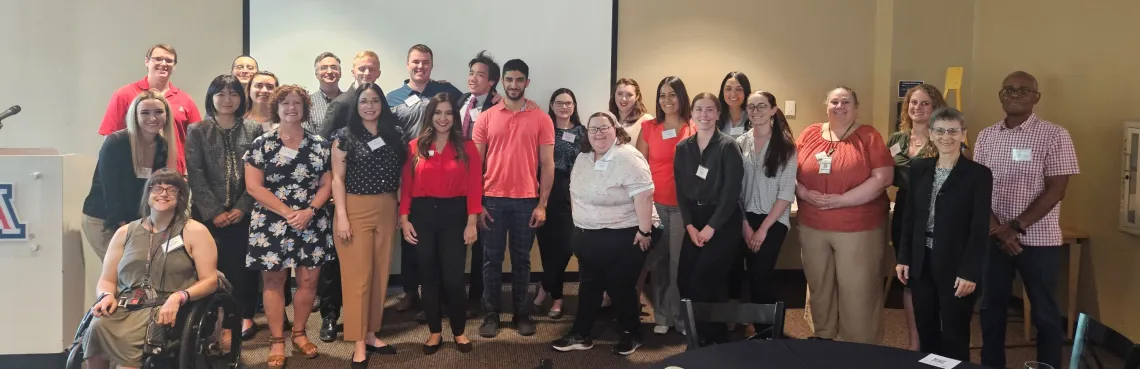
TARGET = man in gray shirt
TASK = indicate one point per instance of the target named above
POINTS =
(327, 69)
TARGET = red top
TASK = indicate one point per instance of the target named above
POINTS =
(661, 153)
(854, 158)
(442, 175)
(182, 109)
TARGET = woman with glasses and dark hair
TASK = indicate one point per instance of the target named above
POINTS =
(258, 90)
(734, 90)
(769, 155)
(166, 255)
(214, 148)
(612, 193)
(626, 104)
(658, 144)
(441, 198)
(554, 235)
(287, 173)
(367, 160)
(127, 158)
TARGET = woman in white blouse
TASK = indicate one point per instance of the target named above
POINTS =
(611, 192)
(769, 189)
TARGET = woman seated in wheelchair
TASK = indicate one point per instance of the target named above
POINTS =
(153, 267)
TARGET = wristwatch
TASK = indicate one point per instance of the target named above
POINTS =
(643, 234)
(1016, 225)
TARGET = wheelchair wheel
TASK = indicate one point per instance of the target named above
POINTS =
(75, 352)
(201, 341)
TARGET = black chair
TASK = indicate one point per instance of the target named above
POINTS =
(1097, 346)
(731, 313)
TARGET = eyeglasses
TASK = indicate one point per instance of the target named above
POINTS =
(162, 60)
(563, 104)
(170, 190)
(943, 131)
(595, 130)
(370, 102)
(756, 107)
(1011, 92)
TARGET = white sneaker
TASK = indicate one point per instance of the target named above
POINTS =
(660, 329)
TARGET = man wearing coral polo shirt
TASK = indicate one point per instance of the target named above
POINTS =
(515, 142)
(160, 62)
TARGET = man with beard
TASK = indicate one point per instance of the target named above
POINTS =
(515, 142)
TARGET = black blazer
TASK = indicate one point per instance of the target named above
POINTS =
(487, 104)
(116, 190)
(961, 224)
(336, 115)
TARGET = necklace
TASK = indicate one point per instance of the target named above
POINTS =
(835, 144)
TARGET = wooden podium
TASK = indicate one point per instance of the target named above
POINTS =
(42, 250)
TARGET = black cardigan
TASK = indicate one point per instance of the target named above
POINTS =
(961, 223)
(116, 192)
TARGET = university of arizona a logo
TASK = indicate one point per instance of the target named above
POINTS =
(10, 226)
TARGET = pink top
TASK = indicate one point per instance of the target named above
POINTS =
(852, 161)
(661, 153)
(513, 141)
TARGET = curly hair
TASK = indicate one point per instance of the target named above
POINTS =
(622, 136)
(936, 102)
(278, 97)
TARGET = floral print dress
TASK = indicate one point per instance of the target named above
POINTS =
(294, 176)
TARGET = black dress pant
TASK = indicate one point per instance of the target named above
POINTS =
(702, 274)
(608, 261)
(441, 255)
(1037, 266)
(762, 263)
(942, 320)
(475, 292)
(329, 293)
(554, 236)
(409, 268)
(232, 242)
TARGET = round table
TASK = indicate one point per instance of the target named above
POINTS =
(799, 354)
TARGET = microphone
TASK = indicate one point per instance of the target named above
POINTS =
(15, 109)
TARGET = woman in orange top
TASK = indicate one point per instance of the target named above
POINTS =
(843, 171)
(658, 143)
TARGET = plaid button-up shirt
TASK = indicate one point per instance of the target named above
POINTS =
(320, 106)
(1020, 159)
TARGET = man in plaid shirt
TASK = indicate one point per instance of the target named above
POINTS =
(1031, 160)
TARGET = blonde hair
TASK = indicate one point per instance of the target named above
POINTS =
(936, 102)
(365, 54)
(134, 132)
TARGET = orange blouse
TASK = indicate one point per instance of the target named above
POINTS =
(661, 152)
(854, 158)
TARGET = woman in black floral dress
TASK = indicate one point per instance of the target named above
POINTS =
(287, 172)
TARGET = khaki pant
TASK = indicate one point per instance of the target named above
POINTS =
(99, 239)
(844, 275)
(365, 261)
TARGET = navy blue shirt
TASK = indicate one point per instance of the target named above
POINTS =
(400, 95)
(410, 115)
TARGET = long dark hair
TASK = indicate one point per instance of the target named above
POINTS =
(781, 146)
(428, 132)
(573, 115)
(725, 115)
(683, 108)
(168, 176)
(638, 108)
(386, 126)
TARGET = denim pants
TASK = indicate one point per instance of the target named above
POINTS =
(511, 217)
(1038, 268)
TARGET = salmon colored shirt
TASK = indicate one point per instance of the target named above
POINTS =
(513, 140)
(854, 158)
(182, 109)
(661, 152)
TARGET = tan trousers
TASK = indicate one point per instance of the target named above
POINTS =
(96, 236)
(844, 275)
(365, 261)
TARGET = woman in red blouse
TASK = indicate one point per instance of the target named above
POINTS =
(843, 171)
(441, 196)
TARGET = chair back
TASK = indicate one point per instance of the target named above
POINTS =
(731, 313)
(1097, 346)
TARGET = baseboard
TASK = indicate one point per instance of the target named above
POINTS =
(33, 361)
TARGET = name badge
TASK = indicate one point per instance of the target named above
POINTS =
(376, 143)
(174, 244)
(825, 165)
(1022, 154)
(431, 152)
(895, 149)
(412, 100)
(669, 133)
(568, 137)
(939, 361)
(143, 173)
(288, 153)
(702, 171)
(736, 131)
(601, 165)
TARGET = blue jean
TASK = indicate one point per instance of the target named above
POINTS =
(511, 216)
(1038, 268)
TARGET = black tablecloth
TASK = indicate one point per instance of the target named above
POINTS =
(799, 354)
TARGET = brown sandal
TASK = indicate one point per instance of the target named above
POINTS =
(276, 361)
(308, 349)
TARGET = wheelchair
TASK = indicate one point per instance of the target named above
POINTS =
(194, 342)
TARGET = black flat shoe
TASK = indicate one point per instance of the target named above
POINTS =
(382, 350)
(431, 349)
(248, 334)
(361, 364)
(465, 347)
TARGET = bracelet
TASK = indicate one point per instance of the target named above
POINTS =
(183, 296)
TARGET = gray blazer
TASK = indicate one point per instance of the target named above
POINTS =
(214, 162)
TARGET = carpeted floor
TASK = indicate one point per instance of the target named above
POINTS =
(509, 350)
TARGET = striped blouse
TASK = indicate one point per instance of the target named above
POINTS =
(761, 192)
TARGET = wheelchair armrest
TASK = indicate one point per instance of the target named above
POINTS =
(224, 284)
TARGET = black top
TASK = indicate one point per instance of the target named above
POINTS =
(961, 224)
(116, 190)
(567, 146)
(722, 183)
(368, 171)
(214, 167)
(800, 354)
(336, 115)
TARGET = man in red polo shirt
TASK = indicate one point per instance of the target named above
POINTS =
(515, 142)
(160, 62)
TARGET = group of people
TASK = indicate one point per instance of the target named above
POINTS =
(694, 198)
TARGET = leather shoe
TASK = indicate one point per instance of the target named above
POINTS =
(382, 350)
(421, 317)
(407, 302)
(431, 349)
(328, 328)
